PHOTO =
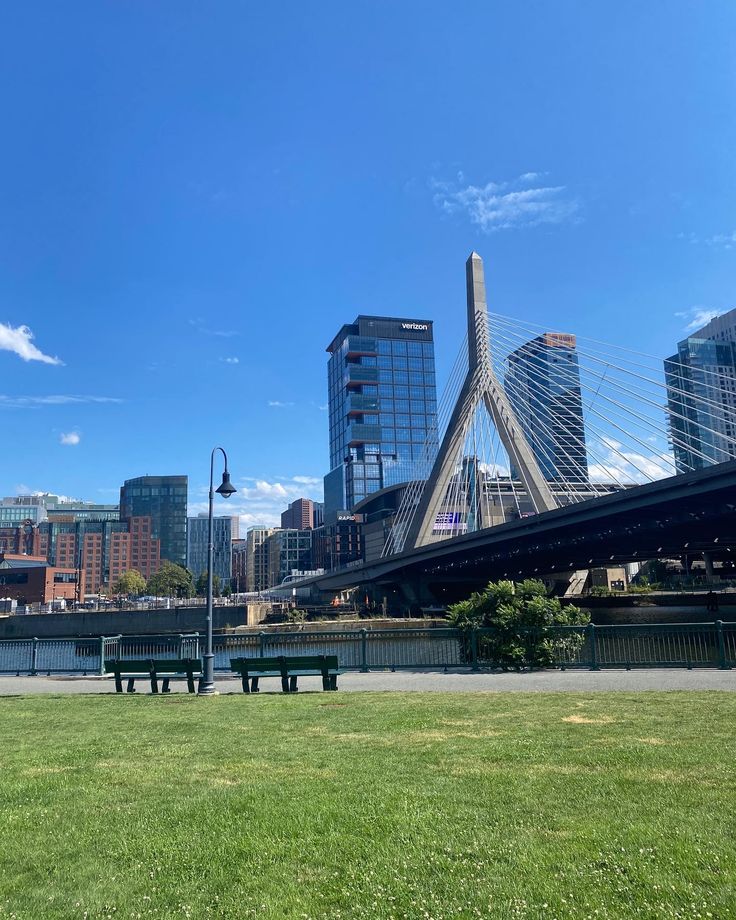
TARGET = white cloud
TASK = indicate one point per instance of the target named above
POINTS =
(199, 325)
(628, 467)
(259, 502)
(725, 240)
(277, 404)
(19, 340)
(71, 439)
(698, 317)
(35, 402)
(230, 360)
(506, 205)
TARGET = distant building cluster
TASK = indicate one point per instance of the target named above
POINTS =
(382, 409)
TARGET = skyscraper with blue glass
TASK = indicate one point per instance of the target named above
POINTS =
(382, 404)
(701, 395)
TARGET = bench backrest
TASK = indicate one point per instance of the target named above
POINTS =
(159, 665)
(292, 662)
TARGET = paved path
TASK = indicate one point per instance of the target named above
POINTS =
(457, 681)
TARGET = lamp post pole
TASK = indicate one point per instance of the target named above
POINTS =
(226, 489)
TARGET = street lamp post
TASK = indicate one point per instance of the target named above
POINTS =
(226, 489)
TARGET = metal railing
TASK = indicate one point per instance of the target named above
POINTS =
(689, 645)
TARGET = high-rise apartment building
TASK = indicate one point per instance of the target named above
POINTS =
(224, 531)
(163, 499)
(382, 401)
(543, 386)
(701, 395)
(257, 563)
(299, 515)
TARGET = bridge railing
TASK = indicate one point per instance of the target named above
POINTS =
(689, 645)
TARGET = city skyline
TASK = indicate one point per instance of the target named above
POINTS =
(173, 270)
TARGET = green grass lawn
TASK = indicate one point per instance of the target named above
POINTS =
(369, 805)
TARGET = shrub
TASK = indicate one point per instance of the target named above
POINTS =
(520, 620)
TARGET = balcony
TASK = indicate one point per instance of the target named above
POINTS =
(361, 345)
(358, 375)
(359, 404)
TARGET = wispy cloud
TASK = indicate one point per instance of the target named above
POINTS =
(71, 439)
(277, 404)
(698, 316)
(506, 205)
(717, 240)
(19, 340)
(259, 501)
(36, 402)
(230, 360)
(617, 464)
(201, 326)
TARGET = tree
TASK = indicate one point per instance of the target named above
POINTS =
(520, 619)
(201, 585)
(130, 582)
(171, 580)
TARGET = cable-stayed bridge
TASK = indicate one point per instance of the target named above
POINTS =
(552, 453)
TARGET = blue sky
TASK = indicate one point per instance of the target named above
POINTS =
(195, 196)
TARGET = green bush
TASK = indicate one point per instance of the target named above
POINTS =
(520, 620)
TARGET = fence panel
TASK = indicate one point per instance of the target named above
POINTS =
(346, 645)
(414, 648)
(666, 646)
(16, 656)
(68, 655)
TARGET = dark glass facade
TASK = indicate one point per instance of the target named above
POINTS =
(382, 401)
(701, 395)
(543, 387)
(164, 500)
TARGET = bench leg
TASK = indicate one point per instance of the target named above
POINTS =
(154, 684)
(325, 682)
(131, 685)
(285, 684)
(118, 683)
(190, 681)
(246, 683)
(333, 682)
(292, 685)
(254, 685)
(165, 686)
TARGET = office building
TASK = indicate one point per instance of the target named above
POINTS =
(163, 499)
(31, 580)
(224, 531)
(382, 402)
(318, 514)
(338, 543)
(257, 563)
(299, 515)
(701, 395)
(543, 386)
(289, 551)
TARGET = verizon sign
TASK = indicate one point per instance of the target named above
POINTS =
(418, 327)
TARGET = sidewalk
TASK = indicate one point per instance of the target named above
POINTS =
(454, 682)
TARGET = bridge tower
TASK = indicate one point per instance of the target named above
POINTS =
(481, 388)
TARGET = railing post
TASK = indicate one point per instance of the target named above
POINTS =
(722, 661)
(474, 649)
(364, 651)
(262, 644)
(180, 647)
(34, 655)
(593, 650)
(102, 656)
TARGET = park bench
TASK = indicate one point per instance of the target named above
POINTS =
(153, 669)
(288, 669)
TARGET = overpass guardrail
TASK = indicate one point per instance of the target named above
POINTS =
(687, 645)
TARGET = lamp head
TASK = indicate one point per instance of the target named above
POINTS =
(226, 488)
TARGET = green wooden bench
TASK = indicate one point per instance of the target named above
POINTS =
(288, 669)
(152, 669)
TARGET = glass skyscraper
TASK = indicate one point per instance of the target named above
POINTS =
(701, 395)
(543, 387)
(164, 500)
(382, 404)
